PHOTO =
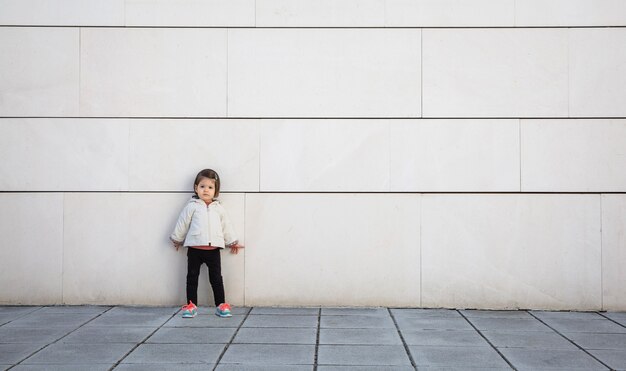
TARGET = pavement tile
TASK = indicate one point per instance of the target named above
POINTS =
(129, 320)
(533, 359)
(135, 316)
(6, 318)
(548, 315)
(82, 309)
(365, 368)
(154, 311)
(241, 367)
(614, 358)
(619, 317)
(175, 353)
(528, 339)
(14, 353)
(8, 314)
(355, 311)
(280, 321)
(425, 313)
(48, 320)
(211, 310)
(598, 341)
(31, 335)
(281, 339)
(193, 335)
(358, 336)
(19, 310)
(467, 369)
(60, 353)
(409, 323)
(287, 311)
(604, 326)
(508, 324)
(463, 357)
(356, 321)
(205, 321)
(264, 354)
(52, 367)
(163, 367)
(365, 355)
(521, 314)
(108, 334)
(269, 335)
(457, 338)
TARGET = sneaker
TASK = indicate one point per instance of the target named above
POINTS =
(190, 310)
(223, 310)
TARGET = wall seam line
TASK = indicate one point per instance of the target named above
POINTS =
(260, 130)
(446, 27)
(317, 192)
(568, 73)
(227, 72)
(519, 123)
(389, 188)
(80, 36)
(421, 206)
(421, 73)
(345, 118)
(245, 203)
(63, 249)
(601, 255)
(129, 123)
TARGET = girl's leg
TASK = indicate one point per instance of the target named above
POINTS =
(194, 262)
(214, 263)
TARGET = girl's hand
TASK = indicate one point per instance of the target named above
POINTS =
(234, 248)
(176, 244)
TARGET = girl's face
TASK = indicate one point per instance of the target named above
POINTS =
(206, 190)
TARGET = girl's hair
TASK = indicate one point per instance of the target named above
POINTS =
(211, 174)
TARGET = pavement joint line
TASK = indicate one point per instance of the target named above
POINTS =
(219, 358)
(611, 319)
(143, 341)
(57, 340)
(406, 346)
(487, 340)
(571, 341)
(317, 338)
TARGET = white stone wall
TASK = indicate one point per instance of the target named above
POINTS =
(412, 153)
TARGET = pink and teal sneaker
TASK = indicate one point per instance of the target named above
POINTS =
(190, 310)
(223, 310)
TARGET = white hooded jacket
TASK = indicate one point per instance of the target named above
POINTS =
(202, 225)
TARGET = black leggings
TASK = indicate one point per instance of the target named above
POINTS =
(212, 259)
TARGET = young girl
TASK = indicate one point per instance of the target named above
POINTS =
(204, 228)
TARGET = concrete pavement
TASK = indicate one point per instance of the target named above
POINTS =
(327, 339)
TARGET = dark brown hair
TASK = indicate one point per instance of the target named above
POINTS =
(211, 174)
